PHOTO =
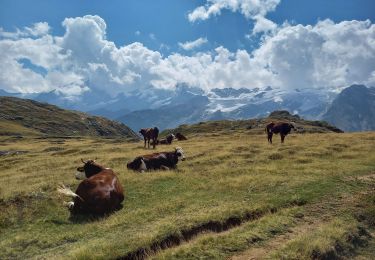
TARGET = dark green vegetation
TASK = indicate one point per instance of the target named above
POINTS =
(234, 196)
(19, 117)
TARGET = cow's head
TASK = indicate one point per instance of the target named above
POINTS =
(180, 153)
(89, 168)
(142, 131)
(137, 164)
(292, 127)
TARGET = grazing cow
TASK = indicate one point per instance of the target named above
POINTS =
(275, 128)
(180, 137)
(150, 134)
(167, 140)
(99, 193)
(157, 161)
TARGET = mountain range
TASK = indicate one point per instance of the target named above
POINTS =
(188, 105)
(353, 109)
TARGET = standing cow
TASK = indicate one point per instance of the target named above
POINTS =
(276, 128)
(150, 134)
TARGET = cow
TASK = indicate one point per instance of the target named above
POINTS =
(157, 161)
(99, 192)
(150, 134)
(276, 128)
(168, 139)
(180, 137)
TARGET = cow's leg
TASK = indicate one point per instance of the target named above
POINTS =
(282, 138)
(148, 143)
(270, 137)
(145, 142)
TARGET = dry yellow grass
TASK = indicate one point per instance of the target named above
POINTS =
(225, 176)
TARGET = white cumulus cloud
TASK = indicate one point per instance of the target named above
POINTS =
(251, 9)
(193, 44)
(327, 54)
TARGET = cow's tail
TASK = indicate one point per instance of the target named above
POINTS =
(62, 189)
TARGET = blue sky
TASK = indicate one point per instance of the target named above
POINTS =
(183, 31)
(167, 19)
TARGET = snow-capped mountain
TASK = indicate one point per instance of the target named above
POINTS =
(185, 105)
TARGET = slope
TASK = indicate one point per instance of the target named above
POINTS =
(24, 117)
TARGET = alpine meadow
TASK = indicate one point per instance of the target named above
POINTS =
(204, 129)
(234, 196)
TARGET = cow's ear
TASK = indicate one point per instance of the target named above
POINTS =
(138, 161)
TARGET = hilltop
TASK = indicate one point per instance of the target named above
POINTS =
(28, 117)
(255, 126)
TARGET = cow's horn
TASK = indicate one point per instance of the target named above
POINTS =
(83, 161)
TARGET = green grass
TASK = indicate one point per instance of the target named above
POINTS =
(230, 176)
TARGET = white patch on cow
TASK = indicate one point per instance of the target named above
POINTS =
(80, 176)
(173, 136)
(163, 156)
(69, 204)
(181, 154)
(143, 166)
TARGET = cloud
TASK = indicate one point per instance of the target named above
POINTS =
(327, 54)
(38, 29)
(152, 36)
(251, 9)
(187, 46)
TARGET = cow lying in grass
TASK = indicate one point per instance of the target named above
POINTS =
(167, 140)
(180, 137)
(100, 191)
(157, 161)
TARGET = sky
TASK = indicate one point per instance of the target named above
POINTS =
(118, 46)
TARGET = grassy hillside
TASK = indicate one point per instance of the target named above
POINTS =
(234, 197)
(254, 126)
(28, 117)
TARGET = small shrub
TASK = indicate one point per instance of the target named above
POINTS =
(275, 156)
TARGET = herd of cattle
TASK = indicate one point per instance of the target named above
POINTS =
(100, 191)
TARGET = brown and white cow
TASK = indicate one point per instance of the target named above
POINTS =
(150, 134)
(168, 139)
(281, 128)
(157, 161)
(100, 191)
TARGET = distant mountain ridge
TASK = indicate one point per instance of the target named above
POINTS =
(22, 116)
(167, 108)
(353, 109)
